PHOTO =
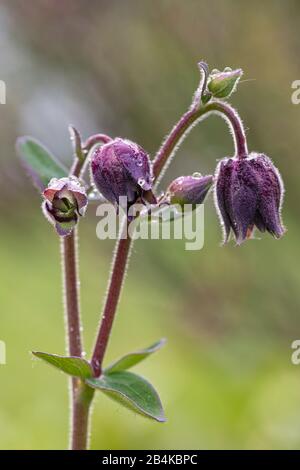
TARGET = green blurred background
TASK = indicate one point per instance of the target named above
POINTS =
(128, 68)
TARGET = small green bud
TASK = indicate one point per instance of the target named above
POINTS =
(223, 84)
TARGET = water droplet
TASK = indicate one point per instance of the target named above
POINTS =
(141, 182)
(139, 161)
(197, 174)
(94, 195)
(228, 69)
(215, 71)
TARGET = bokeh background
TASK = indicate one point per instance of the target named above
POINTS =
(128, 68)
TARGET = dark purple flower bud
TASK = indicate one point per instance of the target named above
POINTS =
(65, 200)
(122, 168)
(189, 189)
(249, 193)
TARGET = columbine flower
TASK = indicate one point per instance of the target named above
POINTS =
(189, 189)
(121, 168)
(65, 200)
(249, 192)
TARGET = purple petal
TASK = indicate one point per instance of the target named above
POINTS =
(258, 221)
(136, 161)
(270, 197)
(121, 169)
(243, 198)
(222, 179)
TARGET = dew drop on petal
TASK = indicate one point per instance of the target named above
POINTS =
(141, 182)
(139, 161)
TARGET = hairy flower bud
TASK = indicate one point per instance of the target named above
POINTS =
(249, 193)
(189, 189)
(65, 200)
(223, 84)
(121, 168)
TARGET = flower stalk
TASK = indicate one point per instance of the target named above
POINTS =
(79, 393)
(248, 195)
(196, 112)
(71, 296)
(185, 125)
(119, 265)
(80, 399)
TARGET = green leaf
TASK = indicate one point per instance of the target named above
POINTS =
(131, 391)
(131, 359)
(75, 366)
(39, 163)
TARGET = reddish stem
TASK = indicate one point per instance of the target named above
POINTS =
(96, 139)
(71, 294)
(79, 391)
(164, 154)
(185, 124)
(80, 395)
(113, 294)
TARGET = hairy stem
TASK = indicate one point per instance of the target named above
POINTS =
(96, 139)
(167, 150)
(186, 123)
(79, 406)
(82, 399)
(230, 115)
(80, 394)
(113, 294)
(71, 294)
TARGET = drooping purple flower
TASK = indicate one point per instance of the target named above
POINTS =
(189, 189)
(122, 168)
(65, 200)
(249, 193)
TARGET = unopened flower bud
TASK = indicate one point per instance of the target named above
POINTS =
(65, 200)
(189, 189)
(223, 84)
(121, 168)
(249, 193)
